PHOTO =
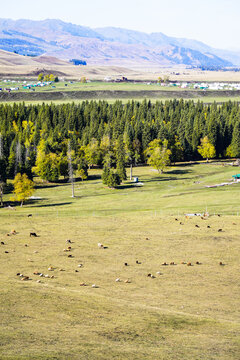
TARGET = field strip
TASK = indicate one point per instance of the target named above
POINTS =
(149, 307)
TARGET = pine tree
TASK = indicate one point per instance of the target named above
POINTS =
(120, 155)
(105, 174)
(235, 144)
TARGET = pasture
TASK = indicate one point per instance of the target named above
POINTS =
(180, 312)
(109, 91)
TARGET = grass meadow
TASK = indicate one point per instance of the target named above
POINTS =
(182, 312)
(76, 91)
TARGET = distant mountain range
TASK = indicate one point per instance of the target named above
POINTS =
(108, 46)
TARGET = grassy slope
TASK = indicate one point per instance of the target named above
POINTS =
(185, 313)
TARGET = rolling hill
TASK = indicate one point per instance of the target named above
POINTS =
(107, 46)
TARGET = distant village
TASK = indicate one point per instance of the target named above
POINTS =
(23, 85)
(204, 86)
(18, 85)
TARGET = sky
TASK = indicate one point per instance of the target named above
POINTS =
(214, 22)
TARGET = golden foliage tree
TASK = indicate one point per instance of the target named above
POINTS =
(206, 149)
(23, 188)
(158, 154)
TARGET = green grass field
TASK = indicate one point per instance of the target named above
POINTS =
(206, 100)
(185, 312)
(93, 86)
(77, 92)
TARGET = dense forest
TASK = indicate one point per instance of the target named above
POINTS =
(42, 139)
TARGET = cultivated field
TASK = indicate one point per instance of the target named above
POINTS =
(181, 312)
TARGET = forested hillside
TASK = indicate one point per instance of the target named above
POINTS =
(38, 138)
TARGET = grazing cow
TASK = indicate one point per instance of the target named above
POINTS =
(70, 256)
(208, 226)
(2, 243)
(100, 246)
(126, 264)
(33, 234)
(118, 280)
(149, 275)
(220, 230)
(221, 263)
(127, 281)
(68, 241)
(183, 262)
(172, 263)
(176, 219)
(198, 263)
(29, 215)
(138, 262)
(181, 223)
(197, 226)
(83, 284)
(189, 264)
(12, 232)
(24, 278)
(164, 264)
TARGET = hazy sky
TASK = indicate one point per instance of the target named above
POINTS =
(215, 22)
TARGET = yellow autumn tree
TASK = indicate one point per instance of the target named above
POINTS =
(206, 149)
(23, 188)
(158, 154)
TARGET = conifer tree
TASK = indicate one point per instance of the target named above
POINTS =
(120, 156)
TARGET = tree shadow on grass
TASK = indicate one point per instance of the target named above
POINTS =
(49, 205)
(178, 172)
(94, 177)
(168, 178)
(48, 186)
(127, 186)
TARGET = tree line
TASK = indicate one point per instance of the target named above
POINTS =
(40, 139)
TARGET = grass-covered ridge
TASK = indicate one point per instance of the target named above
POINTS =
(187, 312)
